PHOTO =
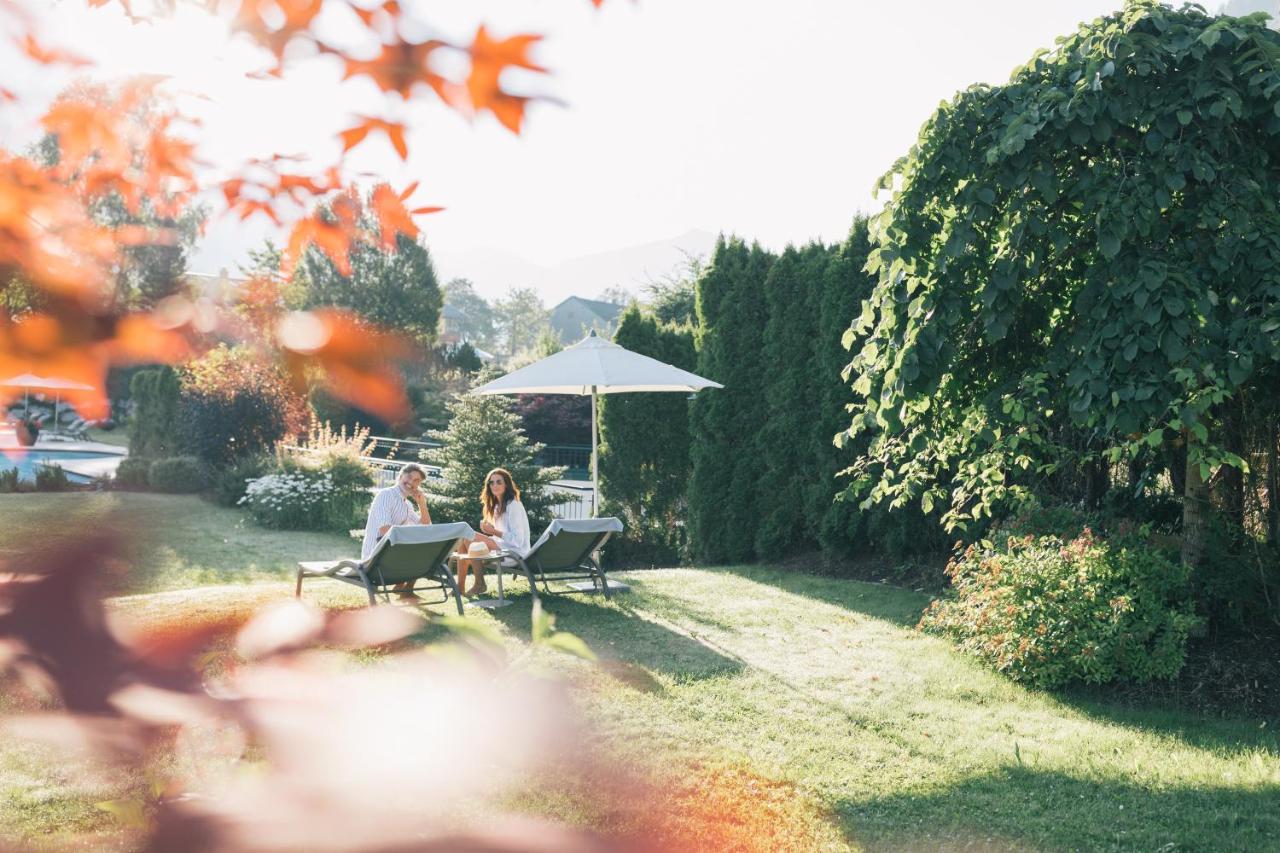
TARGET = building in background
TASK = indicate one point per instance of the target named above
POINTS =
(573, 318)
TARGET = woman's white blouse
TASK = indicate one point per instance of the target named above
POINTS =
(513, 529)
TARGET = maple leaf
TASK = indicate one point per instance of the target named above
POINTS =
(401, 66)
(84, 130)
(255, 18)
(392, 216)
(353, 136)
(49, 56)
(355, 359)
(489, 58)
(333, 240)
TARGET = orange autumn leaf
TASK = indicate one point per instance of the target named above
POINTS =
(86, 130)
(49, 56)
(355, 360)
(331, 239)
(353, 136)
(400, 67)
(392, 216)
(275, 23)
(489, 59)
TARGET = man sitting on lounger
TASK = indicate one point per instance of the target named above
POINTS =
(403, 503)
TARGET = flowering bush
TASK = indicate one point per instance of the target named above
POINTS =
(290, 500)
(1048, 611)
(321, 483)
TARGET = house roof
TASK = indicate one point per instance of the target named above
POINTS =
(603, 310)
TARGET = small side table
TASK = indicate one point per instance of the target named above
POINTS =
(494, 559)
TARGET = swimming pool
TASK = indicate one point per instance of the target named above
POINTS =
(81, 465)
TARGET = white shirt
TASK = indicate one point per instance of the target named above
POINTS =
(390, 507)
(513, 529)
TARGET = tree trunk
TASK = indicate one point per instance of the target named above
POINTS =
(1097, 481)
(1273, 483)
(1195, 514)
(1232, 489)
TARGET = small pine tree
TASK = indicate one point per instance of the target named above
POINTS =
(484, 433)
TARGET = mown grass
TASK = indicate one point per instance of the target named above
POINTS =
(771, 710)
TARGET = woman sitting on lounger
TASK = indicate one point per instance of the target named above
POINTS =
(505, 525)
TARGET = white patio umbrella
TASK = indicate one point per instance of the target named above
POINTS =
(595, 366)
(27, 381)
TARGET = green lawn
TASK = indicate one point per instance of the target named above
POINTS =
(805, 712)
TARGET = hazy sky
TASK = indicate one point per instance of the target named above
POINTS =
(769, 119)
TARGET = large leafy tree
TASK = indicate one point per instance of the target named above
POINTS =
(390, 283)
(1090, 250)
(474, 322)
(521, 320)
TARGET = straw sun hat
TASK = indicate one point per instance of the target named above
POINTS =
(477, 549)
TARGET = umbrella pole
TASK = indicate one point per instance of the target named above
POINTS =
(56, 399)
(595, 471)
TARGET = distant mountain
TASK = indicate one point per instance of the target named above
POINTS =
(632, 267)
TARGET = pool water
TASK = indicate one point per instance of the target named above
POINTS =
(27, 461)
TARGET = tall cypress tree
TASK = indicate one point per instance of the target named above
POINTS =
(711, 414)
(790, 385)
(845, 284)
(732, 314)
(644, 446)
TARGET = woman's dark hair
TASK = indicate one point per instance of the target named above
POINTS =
(490, 503)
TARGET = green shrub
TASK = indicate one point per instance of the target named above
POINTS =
(234, 403)
(227, 485)
(153, 430)
(9, 481)
(133, 473)
(178, 475)
(51, 478)
(1048, 611)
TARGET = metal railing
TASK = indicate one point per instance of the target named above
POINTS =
(575, 502)
(575, 457)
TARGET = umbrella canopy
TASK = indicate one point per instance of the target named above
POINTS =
(43, 383)
(30, 380)
(595, 366)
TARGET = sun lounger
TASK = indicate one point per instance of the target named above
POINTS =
(408, 553)
(567, 551)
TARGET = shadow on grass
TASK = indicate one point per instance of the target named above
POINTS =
(619, 633)
(903, 608)
(1023, 808)
(900, 607)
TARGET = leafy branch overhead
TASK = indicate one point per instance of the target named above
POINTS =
(1090, 249)
(128, 144)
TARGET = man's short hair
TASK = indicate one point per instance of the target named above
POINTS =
(413, 468)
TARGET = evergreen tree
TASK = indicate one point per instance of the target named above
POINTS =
(153, 432)
(484, 433)
(731, 317)
(788, 463)
(395, 288)
(644, 447)
(843, 286)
